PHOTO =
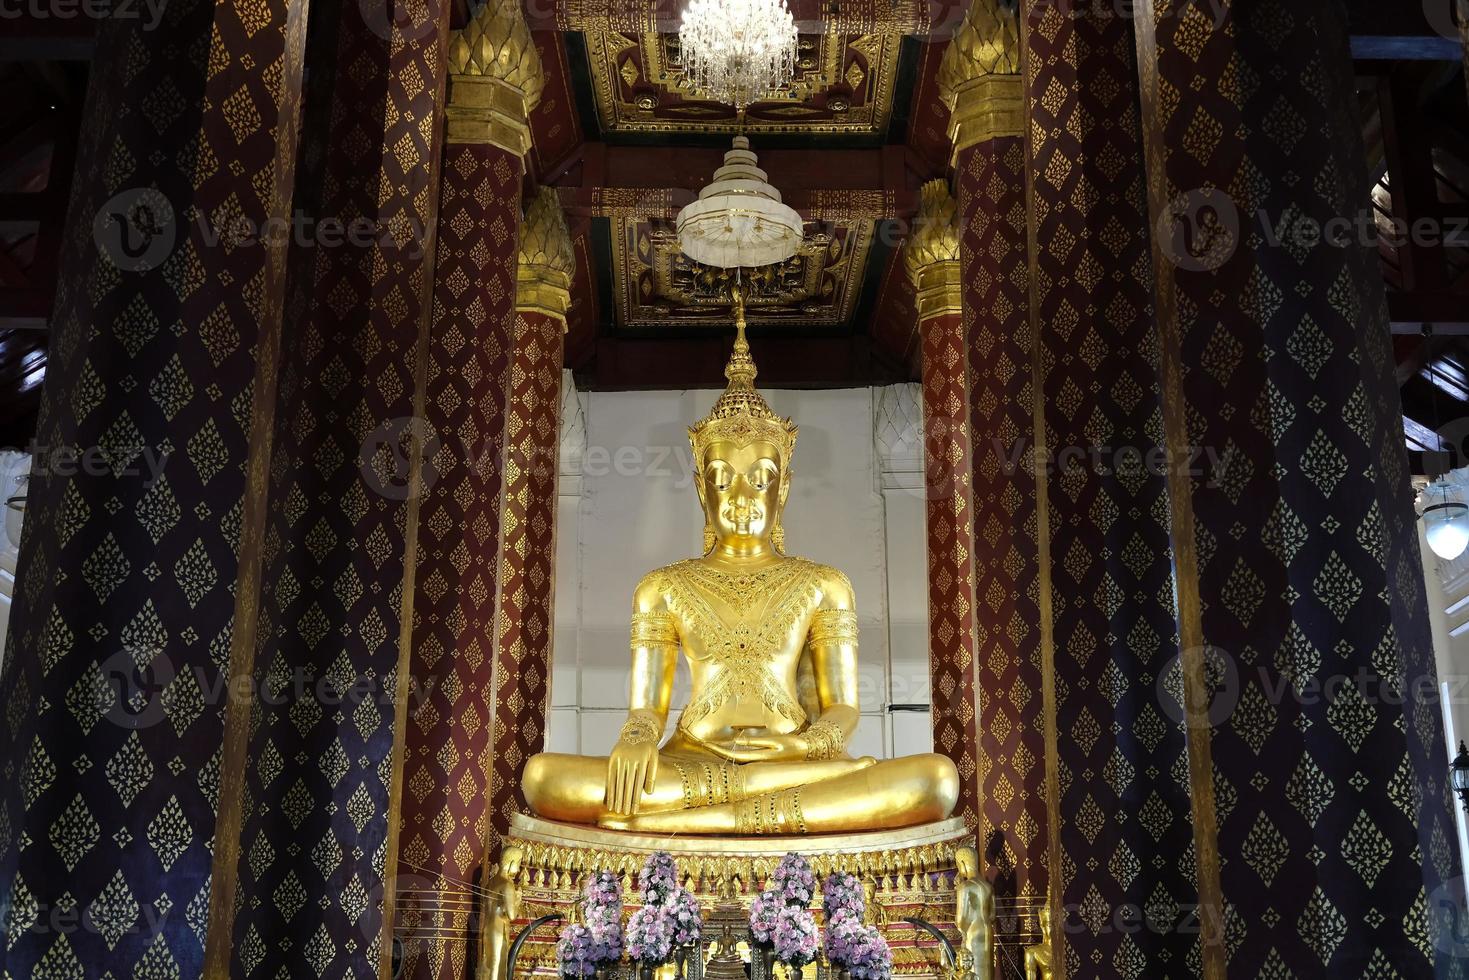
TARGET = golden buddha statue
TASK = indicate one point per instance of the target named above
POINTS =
(1038, 957)
(975, 918)
(771, 643)
(501, 909)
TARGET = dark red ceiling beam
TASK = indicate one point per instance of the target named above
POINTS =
(658, 167)
(30, 34)
(1448, 312)
(940, 17)
(623, 364)
(24, 308)
(833, 185)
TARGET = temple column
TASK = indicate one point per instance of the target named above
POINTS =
(931, 257)
(495, 80)
(1312, 698)
(142, 535)
(1118, 773)
(312, 760)
(524, 613)
(980, 83)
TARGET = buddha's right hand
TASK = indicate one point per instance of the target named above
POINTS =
(632, 770)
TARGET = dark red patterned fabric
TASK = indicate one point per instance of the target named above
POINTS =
(1335, 830)
(130, 569)
(1123, 774)
(948, 463)
(524, 617)
(1012, 750)
(447, 742)
(319, 773)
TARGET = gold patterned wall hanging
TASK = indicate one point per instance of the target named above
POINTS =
(657, 286)
(844, 84)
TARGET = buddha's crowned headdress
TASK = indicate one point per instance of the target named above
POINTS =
(740, 415)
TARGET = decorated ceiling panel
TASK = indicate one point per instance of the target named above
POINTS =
(657, 287)
(844, 84)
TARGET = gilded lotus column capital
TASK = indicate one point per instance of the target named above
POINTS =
(979, 77)
(495, 78)
(931, 255)
(547, 262)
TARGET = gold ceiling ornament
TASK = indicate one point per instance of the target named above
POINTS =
(931, 255)
(547, 262)
(622, 108)
(979, 77)
(741, 415)
(658, 287)
(495, 78)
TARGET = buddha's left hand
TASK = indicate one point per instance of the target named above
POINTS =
(762, 748)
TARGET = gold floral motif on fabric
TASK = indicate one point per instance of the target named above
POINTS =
(767, 603)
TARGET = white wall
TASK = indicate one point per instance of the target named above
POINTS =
(14, 470)
(629, 506)
(1447, 585)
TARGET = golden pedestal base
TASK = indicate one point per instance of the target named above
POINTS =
(911, 871)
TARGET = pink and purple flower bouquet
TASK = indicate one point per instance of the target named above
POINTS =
(574, 951)
(795, 937)
(842, 892)
(603, 890)
(658, 879)
(793, 880)
(686, 916)
(872, 959)
(649, 939)
(763, 910)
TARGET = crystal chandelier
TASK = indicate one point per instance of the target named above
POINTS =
(738, 51)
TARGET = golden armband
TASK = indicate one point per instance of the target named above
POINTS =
(824, 740)
(655, 630)
(833, 627)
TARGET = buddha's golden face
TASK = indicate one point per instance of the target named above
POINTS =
(740, 488)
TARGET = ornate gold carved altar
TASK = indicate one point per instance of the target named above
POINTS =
(908, 873)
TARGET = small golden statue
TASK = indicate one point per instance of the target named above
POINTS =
(1038, 957)
(975, 917)
(502, 908)
(755, 752)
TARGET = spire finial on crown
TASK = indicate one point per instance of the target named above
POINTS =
(740, 415)
(741, 365)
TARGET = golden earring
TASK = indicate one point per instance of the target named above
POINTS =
(778, 538)
(708, 537)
